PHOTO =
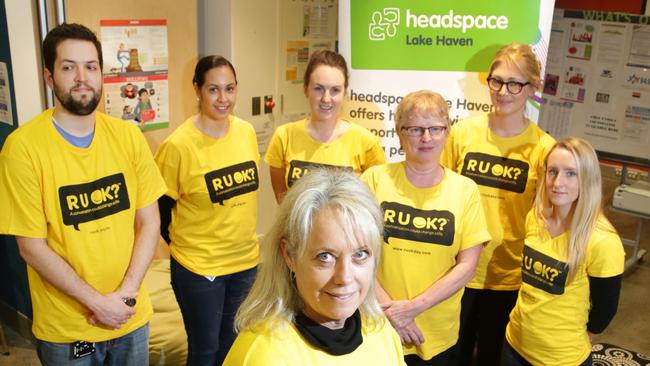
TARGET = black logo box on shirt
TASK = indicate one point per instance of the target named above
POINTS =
(543, 272)
(91, 201)
(299, 168)
(496, 171)
(232, 181)
(408, 223)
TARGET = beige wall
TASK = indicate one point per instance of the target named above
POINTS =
(246, 32)
(182, 34)
(24, 41)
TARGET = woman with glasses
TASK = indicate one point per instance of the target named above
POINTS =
(434, 228)
(323, 139)
(558, 309)
(503, 152)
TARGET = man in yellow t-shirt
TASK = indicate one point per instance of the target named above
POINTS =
(79, 189)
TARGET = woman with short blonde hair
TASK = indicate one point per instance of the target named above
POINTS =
(434, 230)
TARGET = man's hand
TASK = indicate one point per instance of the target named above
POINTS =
(110, 310)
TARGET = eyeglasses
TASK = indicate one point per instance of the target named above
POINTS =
(513, 87)
(417, 131)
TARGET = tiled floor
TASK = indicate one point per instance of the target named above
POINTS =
(21, 351)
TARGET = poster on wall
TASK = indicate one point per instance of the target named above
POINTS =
(136, 87)
(396, 47)
(605, 97)
(6, 114)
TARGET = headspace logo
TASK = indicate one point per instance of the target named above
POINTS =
(299, 168)
(91, 201)
(384, 23)
(232, 181)
(425, 226)
(411, 34)
(496, 171)
(543, 272)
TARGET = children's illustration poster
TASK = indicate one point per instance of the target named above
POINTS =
(136, 71)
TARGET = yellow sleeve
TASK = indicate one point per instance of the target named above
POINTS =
(546, 142)
(448, 155)
(374, 154)
(150, 183)
(369, 178)
(168, 159)
(250, 350)
(530, 225)
(21, 199)
(277, 148)
(606, 257)
(474, 225)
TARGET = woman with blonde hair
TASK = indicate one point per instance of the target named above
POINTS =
(312, 302)
(323, 139)
(572, 265)
(503, 152)
(434, 229)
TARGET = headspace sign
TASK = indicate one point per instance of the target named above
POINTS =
(445, 35)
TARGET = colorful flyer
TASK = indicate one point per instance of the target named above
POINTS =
(580, 42)
(136, 71)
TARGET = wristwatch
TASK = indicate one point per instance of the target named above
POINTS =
(129, 301)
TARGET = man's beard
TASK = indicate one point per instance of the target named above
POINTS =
(77, 107)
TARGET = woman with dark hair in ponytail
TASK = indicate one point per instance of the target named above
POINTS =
(208, 214)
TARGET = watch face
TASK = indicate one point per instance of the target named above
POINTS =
(129, 301)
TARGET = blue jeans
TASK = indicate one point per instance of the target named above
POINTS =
(208, 309)
(128, 350)
(510, 357)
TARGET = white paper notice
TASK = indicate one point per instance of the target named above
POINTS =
(6, 109)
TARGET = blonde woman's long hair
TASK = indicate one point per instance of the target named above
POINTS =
(587, 209)
(273, 300)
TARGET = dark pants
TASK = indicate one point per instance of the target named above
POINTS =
(208, 309)
(510, 357)
(441, 359)
(484, 315)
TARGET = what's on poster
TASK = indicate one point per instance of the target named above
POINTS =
(136, 87)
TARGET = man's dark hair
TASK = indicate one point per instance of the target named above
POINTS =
(63, 32)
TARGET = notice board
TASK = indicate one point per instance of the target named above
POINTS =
(597, 82)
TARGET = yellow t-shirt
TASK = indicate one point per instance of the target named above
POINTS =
(84, 202)
(292, 148)
(424, 230)
(548, 325)
(506, 170)
(286, 347)
(214, 183)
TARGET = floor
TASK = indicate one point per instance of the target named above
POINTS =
(629, 329)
